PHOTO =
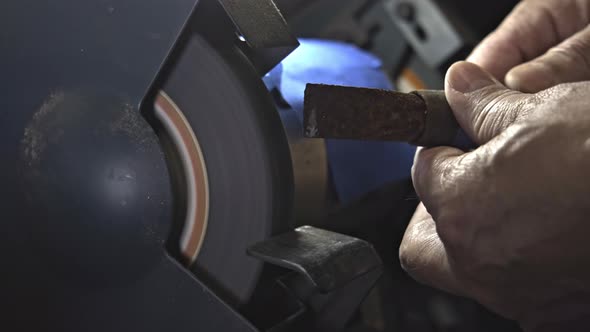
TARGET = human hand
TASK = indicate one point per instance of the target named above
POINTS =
(507, 224)
(541, 44)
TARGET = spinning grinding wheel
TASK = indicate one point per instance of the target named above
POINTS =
(234, 169)
(122, 219)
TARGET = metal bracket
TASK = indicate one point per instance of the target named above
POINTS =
(263, 28)
(334, 273)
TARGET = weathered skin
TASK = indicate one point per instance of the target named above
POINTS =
(507, 224)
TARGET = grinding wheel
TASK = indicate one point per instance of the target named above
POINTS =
(229, 156)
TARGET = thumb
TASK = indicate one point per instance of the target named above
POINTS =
(482, 105)
(568, 62)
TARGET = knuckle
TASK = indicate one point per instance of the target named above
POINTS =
(424, 170)
(456, 229)
(520, 108)
(576, 52)
(452, 233)
(418, 244)
(410, 256)
(419, 257)
(420, 171)
(438, 181)
(578, 48)
(420, 167)
(500, 109)
(407, 259)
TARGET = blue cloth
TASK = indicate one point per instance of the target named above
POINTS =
(357, 167)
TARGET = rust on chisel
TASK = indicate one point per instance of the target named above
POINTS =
(363, 114)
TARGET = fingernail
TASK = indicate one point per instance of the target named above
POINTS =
(466, 77)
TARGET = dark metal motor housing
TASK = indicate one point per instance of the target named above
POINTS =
(86, 196)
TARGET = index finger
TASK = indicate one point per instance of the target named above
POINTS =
(533, 27)
(423, 255)
(434, 176)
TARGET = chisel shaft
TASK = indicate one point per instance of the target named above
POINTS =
(422, 118)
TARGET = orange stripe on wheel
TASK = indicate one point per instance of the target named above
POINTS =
(195, 173)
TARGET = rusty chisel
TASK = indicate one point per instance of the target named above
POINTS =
(422, 118)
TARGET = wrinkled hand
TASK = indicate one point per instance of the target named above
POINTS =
(510, 229)
(541, 44)
(508, 223)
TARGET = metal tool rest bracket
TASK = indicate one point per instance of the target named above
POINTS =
(332, 275)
